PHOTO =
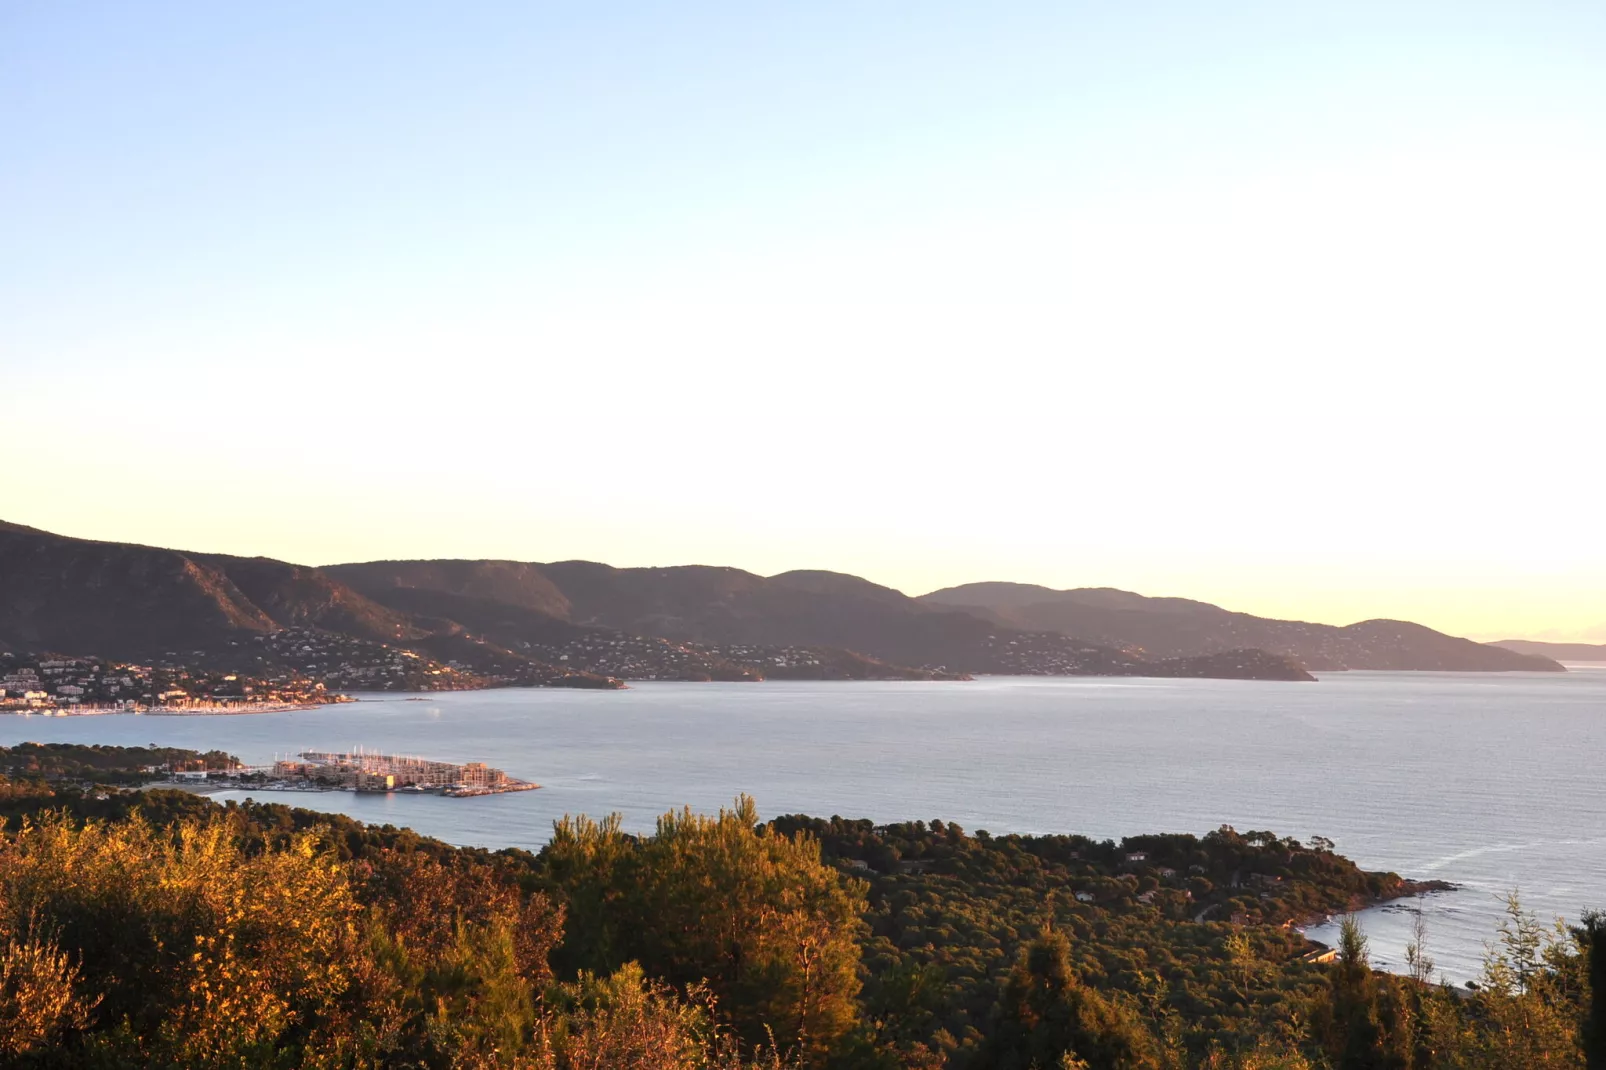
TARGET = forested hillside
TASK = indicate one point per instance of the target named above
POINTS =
(159, 930)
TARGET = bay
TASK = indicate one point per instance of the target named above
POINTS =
(1492, 781)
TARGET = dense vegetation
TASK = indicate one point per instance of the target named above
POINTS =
(161, 930)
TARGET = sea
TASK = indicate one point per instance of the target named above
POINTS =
(1495, 782)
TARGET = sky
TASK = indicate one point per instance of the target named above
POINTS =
(1291, 307)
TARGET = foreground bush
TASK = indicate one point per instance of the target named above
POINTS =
(262, 937)
(202, 945)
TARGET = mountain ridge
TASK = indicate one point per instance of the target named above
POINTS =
(118, 599)
(1181, 627)
(521, 622)
(65, 595)
(723, 606)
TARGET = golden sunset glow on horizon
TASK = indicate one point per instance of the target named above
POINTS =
(1273, 310)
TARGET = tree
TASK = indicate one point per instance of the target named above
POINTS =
(1513, 961)
(722, 901)
(39, 1005)
(592, 867)
(1349, 1021)
(1592, 1032)
(1245, 964)
(1050, 1019)
(628, 1022)
(201, 954)
(1522, 1015)
(1417, 960)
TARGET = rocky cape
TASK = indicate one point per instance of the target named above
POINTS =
(1555, 651)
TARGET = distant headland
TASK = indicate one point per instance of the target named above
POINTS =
(1555, 651)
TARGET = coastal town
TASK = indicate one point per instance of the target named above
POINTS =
(636, 657)
(79, 686)
(289, 669)
(302, 668)
(344, 663)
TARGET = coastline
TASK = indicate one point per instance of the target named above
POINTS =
(1406, 889)
(219, 710)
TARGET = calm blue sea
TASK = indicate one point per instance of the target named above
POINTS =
(1491, 781)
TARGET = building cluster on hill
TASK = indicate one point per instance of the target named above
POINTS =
(636, 657)
(84, 685)
(343, 662)
(300, 666)
(595, 657)
(1051, 654)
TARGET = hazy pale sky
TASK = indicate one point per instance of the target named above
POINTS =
(1293, 307)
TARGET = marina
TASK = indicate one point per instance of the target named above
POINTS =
(360, 770)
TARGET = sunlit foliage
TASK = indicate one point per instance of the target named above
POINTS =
(160, 931)
(723, 901)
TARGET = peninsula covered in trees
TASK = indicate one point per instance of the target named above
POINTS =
(161, 930)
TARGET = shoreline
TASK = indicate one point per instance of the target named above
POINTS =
(246, 709)
(1408, 890)
(445, 793)
(179, 711)
(207, 788)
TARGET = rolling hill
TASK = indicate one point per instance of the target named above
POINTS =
(126, 601)
(685, 622)
(1180, 627)
(140, 603)
(696, 603)
(728, 607)
(495, 620)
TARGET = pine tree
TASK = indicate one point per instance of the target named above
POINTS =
(1050, 1019)
(751, 912)
(1349, 1022)
(1592, 1033)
